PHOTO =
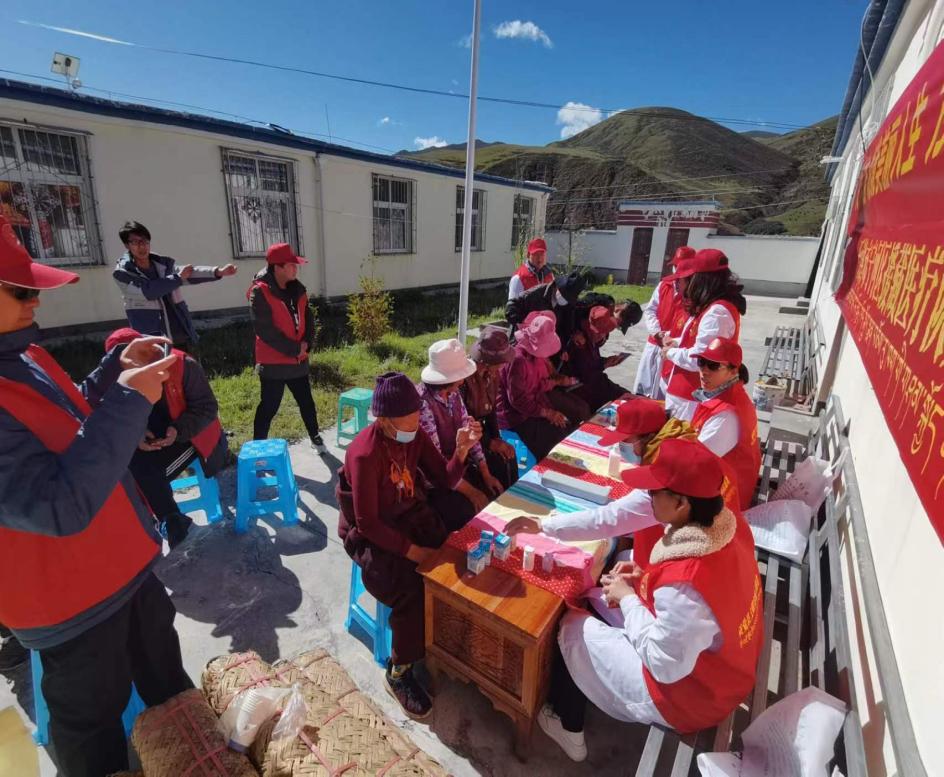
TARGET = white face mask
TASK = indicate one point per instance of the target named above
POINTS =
(405, 436)
(560, 298)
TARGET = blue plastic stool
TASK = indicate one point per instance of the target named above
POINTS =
(208, 493)
(524, 456)
(359, 400)
(41, 736)
(376, 627)
(260, 456)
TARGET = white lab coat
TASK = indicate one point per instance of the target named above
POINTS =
(606, 659)
(650, 364)
(716, 321)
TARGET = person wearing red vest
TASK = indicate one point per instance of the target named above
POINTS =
(184, 425)
(659, 316)
(714, 303)
(680, 647)
(533, 272)
(77, 541)
(285, 334)
(726, 419)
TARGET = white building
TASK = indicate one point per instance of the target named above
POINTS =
(74, 168)
(648, 233)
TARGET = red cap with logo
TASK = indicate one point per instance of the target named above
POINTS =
(686, 467)
(17, 267)
(282, 253)
(706, 260)
(635, 417)
(682, 252)
(723, 350)
(537, 244)
(601, 321)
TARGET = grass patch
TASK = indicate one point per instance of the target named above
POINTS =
(226, 355)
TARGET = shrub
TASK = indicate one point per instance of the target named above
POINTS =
(609, 279)
(369, 312)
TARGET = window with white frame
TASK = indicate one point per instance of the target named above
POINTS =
(478, 218)
(394, 215)
(46, 194)
(522, 221)
(260, 192)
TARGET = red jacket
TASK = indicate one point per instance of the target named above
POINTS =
(744, 458)
(206, 440)
(283, 322)
(45, 579)
(529, 280)
(684, 382)
(728, 581)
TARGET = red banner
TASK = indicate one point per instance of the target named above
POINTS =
(892, 293)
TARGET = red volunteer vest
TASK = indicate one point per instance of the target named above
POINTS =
(47, 580)
(529, 280)
(668, 309)
(729, 583)
(684, 382)
(282, 319)
(744, 458)
(205, 441)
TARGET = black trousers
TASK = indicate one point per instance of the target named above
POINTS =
(540, 435)
(154, 470)
(272, 391)
(87, 681)
(565, 698)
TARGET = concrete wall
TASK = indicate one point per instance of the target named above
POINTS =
(767, 264)
(170, 179)
(908, 556)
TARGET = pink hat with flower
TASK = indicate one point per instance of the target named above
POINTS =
(539, 337)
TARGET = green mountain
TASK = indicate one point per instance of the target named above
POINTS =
(668, 154)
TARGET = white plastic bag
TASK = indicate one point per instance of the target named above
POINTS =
(809, 482)
(241, 720)
(294, 715)
(782, 527)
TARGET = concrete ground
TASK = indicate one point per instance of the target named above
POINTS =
(282, 589)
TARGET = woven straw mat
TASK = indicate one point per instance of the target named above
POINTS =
(226, 676)
(180, 739)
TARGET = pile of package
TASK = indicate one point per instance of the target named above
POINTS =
(296, 718)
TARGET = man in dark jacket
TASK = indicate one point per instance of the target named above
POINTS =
(77, 542)
(184, 425)
(558, 297)
(150, 287)
(285, 334)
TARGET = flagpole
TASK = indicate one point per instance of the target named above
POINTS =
(469, 180)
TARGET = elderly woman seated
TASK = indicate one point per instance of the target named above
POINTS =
(443, 413)
(679, 647)
(396, 502)
(480, 393)
(524, 405)
(584, 362)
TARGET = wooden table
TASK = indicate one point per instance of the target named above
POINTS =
(494, 630)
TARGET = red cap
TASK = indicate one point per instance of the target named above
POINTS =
(682, 252)
(121, 337)
(17, 267)
(686, 467)
(282, 253)
(706, 260)
(537, 244)
(635, 417)
(601, 320)
(723, 350)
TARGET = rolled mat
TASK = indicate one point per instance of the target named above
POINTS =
(180, 737)
(226, 676)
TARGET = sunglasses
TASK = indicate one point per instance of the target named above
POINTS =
(710, 365)
(20, 294)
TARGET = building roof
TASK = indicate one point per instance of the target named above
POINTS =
(74, 101)
(668, 204)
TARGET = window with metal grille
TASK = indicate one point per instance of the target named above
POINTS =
(262, 208)
(478, 218)
(46, 194)
(394, 215)
(522, 221)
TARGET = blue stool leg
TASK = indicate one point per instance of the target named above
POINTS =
(245, 492)
(288, 491)
(209, 495)
(40, 710)
(382, 635)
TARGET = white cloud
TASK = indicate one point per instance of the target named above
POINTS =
(576, 117)
(465, 41)
(433, 142)
(618, 110)
(523, 31)
(384, 121)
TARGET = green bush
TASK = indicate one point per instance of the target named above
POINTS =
(369, 312)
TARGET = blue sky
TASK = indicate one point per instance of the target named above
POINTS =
(747, 59)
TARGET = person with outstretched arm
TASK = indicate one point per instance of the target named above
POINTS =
(77, 542)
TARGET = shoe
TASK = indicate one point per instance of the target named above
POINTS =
(318, 444)
(571, 742)
(408, 693)
(176, 526)
(12, 654)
